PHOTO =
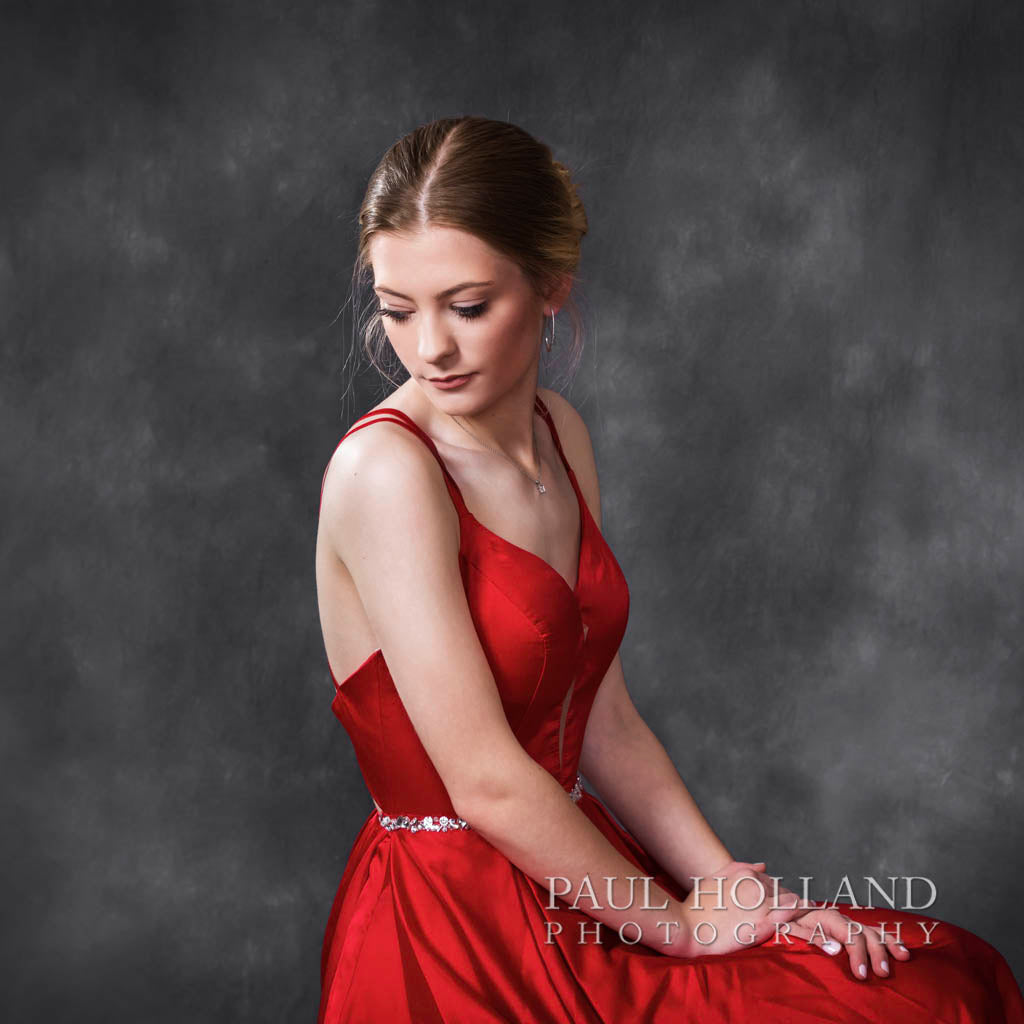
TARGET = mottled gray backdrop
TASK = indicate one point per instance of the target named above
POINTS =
(804, 379)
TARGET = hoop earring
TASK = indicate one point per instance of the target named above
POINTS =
(550, 344)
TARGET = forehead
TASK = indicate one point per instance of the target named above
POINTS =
(434, 258)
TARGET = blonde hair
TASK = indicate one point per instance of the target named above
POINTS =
(488, 178)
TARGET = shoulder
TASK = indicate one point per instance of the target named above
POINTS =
(385, 478)
(563, 412)
(577, 445)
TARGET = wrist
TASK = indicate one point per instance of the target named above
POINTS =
(682, 945)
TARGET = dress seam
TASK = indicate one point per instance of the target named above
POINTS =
(544, 637)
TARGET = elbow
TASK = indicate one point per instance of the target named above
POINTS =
(493, 786)
(481, 794)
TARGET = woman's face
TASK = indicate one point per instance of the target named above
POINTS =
(451, 305)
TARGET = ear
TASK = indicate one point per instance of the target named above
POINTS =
(560, 292)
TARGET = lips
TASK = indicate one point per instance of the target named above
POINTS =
(452, 383)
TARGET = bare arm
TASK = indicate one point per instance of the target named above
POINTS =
(636, 778)
(387, 515)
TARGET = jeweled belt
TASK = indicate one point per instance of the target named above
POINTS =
(443, 823)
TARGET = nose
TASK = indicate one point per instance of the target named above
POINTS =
(434, 340)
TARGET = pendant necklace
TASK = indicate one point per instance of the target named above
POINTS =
(535, 481)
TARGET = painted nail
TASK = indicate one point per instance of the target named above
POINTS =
(863, 970)
(831, 947)
(884, 966)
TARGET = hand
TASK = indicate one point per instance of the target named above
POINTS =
(733, 926)
(866, 947)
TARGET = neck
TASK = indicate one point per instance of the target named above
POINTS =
(506, 425)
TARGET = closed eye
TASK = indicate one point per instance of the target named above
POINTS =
(464, 312)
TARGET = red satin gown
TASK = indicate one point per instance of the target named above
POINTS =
(432, 923)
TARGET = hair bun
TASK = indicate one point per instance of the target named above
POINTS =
(579, 217)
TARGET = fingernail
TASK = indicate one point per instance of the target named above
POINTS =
(831, 947)
(863, 970)
(904, 948)
(884, 966)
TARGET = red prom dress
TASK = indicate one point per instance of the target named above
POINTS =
(431, 923)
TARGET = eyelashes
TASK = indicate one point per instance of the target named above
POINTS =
(463, 312)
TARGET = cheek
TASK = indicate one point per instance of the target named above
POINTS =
(507, 355)
(512, 338)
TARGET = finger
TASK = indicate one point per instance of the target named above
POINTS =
(778, 894)
(774, 890)
(789, 909)
(783, 898)
(837, 925)
(812, 936)
(894, 946)
(784, 894)
(888, 943)
(877, 952)
(772, 887)
(784, 903)
(757, 868)
(767, 886)
(781, 908)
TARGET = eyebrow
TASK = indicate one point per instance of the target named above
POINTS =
(440, 295)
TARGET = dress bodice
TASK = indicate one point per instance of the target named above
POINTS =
(548, 644)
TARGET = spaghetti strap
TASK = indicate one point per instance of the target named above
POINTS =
(391, 415)
(388, 413)
(543, 410)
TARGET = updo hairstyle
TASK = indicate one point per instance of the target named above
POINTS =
(490, 179)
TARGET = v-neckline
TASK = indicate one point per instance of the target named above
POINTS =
(574, 589)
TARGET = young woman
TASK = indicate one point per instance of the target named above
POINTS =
(473, 612)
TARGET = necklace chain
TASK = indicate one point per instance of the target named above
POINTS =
(497, 451)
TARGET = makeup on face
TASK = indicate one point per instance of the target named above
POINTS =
(451, 383)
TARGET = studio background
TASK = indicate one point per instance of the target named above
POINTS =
(803, 377)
